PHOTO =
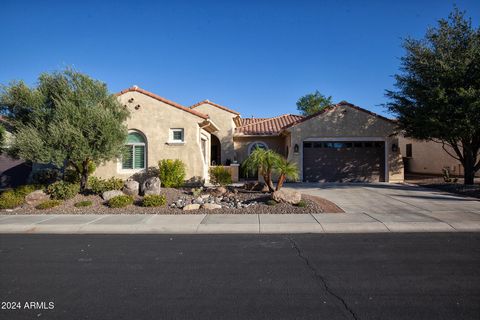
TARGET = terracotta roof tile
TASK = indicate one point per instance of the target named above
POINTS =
(215, 105)
(169, 102)
(266, 126)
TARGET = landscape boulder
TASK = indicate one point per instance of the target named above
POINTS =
(151, 186)
(131, 187)
(211, 206)
(36, 196)
(287, 196)
(107, 195)
(192, 206)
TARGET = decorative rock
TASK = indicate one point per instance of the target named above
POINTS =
(211, 206)
(205, 196)
(291, 197)
(151, 186)
(192, 206)
(36, 197)
(198, 200)
(107, 195)
(131, 187)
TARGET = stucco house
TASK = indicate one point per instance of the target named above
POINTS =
(342, 143)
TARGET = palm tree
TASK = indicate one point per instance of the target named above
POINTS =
(264, 161)
(285, 169)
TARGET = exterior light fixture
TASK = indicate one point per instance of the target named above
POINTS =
(295, 148)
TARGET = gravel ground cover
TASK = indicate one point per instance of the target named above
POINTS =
(313, 205)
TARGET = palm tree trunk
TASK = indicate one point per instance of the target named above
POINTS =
(280, 182)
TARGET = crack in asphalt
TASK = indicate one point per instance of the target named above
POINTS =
(321, 278)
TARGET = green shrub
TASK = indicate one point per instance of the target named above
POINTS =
(172, 173)
(27, 188)
(154, 200)
(10, 199)
(99, 186)
(45, 176)
(120, 201)
(47, 204)
(85, 203)
(220, 176)
(196, 192)
(271, 202)
(302, 204)
(63, 190)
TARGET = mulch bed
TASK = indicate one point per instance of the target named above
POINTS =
(313, 205)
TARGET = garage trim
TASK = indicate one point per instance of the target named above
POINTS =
(349, 139)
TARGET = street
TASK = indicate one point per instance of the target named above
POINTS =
(301, 276)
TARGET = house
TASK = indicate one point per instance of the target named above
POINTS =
(342, 143)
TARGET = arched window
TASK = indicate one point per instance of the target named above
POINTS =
(134, 156)
(255, 145)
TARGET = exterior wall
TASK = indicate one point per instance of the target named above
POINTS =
(276, 143)
(428, 157)
(154, 119)
(224, 121)
(347, 123)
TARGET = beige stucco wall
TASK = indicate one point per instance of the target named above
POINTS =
(224, 121)
(242, 144)
(344, 122)
(155, 119)
(428, 157)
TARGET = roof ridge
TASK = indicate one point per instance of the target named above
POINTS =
(206, 101)
(162, 99)
(264, 120)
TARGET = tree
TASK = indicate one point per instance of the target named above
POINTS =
(438, 91)
(267, 162)
(312, 103)
(69, 119)
(3, 134)
(263, 161)
(285, 169)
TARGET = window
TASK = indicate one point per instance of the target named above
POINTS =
(409, 150)
(317, 144)
(357, 144)
(307, 144)
(134, 156)
(255, 145)
(176, 135)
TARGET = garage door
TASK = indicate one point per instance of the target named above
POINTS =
(352, 161)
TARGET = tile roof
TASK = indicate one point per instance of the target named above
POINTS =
(215, 105)
(169, 102)
(266, 126)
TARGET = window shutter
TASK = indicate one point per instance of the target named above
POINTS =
(127, 159)
(139, 157)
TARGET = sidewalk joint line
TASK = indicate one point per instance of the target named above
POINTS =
(377, 220)
(317, 275)
(258, 218)
(94, 220)
(323, 229)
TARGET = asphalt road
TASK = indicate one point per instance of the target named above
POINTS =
(321, 276)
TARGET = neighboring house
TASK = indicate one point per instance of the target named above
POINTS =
(428, 157)
(341, 143)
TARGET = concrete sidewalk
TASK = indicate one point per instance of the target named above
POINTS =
(361, 222)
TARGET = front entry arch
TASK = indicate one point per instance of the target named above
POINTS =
(215, 151)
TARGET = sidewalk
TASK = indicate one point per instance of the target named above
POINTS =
(360, 222)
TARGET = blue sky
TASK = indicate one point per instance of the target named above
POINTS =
(257, 57)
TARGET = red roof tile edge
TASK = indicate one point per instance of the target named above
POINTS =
(156, 97)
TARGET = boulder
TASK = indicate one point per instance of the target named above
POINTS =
(36, 196)
(192, 206)
(131, 187)
(151, 186)
(211, 206)
(291, 197)
(107, 195)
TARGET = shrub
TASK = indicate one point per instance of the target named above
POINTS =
(172, 173)
(45, 176)
(302, 204)
(85, 203)
(271, 202)
(10, 199)
(154, 200)
(196, 192)
(63, 190)
(99, 186)
(47, 204)
(220, 176)
(120, 201)
(27, 188)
